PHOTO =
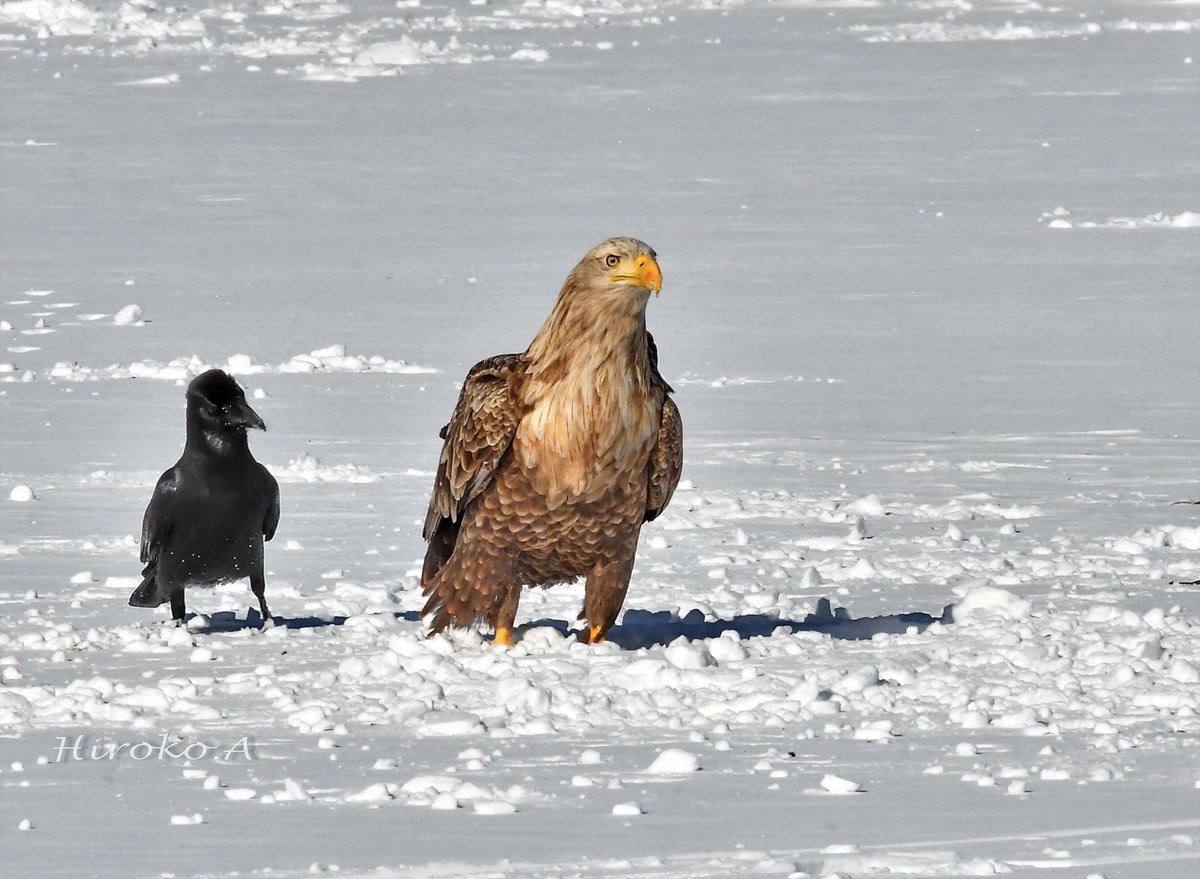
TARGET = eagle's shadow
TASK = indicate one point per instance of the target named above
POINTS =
(643, 628)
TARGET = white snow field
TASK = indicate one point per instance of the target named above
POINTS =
(930, 307)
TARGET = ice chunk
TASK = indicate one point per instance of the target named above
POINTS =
(688, 654)
(444, 802)
(674, 761)
(451, 723)
(372, 793)
(129, 316)
(401, 53)
(981, 600)
(835, 784)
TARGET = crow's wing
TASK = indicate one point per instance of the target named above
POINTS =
(158, 521)
(477, 437)
(271, 520)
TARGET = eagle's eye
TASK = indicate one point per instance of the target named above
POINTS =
(612, 260)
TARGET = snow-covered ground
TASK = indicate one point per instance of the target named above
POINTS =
(925, 603)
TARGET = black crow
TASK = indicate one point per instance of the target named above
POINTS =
(212, 511)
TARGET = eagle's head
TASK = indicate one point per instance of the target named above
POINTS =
(602, 305)
(622, 270)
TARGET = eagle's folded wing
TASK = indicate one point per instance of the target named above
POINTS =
(666, 461)
(477, 437)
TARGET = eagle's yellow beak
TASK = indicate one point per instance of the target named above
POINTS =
(644, 273)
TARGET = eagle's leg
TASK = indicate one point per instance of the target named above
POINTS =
(603, 596)
(504, 616)
(476, 582)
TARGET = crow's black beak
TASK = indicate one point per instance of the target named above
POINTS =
(239, 414)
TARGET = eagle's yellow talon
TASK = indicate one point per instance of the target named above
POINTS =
(503, 637)
(595, 635)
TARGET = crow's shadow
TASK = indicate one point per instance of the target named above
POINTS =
(226, 621)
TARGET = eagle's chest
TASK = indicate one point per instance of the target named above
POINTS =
(585, 434)
(553, 544)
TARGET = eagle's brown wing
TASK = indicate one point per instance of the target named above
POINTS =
(652, 356)
(666, 461)
(666, 458)
(477, 437)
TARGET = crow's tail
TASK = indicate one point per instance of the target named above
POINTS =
(147, 593)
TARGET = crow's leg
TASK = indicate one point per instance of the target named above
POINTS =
(258, 585)
(177, 607)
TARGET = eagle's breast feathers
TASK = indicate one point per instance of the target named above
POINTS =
(577, 430)
(593, 417)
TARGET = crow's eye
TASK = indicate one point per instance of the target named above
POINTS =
(612, 260)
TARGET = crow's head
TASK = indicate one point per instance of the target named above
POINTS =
(219, 404)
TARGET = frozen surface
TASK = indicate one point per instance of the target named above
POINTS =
(926, 603)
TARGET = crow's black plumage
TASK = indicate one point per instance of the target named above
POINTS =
(212, 511)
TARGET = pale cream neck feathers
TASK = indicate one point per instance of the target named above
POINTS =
(592, 409)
